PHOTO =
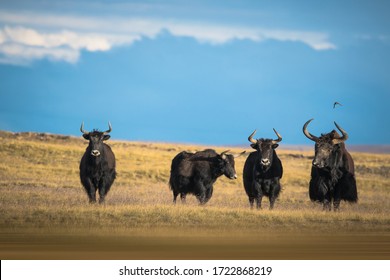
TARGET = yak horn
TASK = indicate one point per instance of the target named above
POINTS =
(341, 139)
(279, 137)
(250, 138)
(109, 128)
(307, 133)
(223, 154)
(82, 129)
(238, 155)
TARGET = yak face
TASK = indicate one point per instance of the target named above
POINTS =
(226, 165)
(96, 138)
(326, 146)
(324, 151)
(265, 149)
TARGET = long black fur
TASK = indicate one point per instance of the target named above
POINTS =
(97, 173)
(259, 182)
(336, 181)
(195, 173)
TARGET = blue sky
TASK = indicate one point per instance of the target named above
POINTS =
(207, 72)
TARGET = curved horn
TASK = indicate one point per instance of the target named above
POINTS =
(223, 154)
(82, 129)
(307, 133)
(109, 128)
(341, 139)
(238, 155)
(250, 138)
(279, 137)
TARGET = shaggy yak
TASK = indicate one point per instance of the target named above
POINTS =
(195, 173)
(263, 171)
(97, 166)
(332, 171)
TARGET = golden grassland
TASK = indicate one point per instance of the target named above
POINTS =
(44, 211)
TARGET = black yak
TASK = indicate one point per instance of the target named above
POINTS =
(332, 172)
(263, 171)
(195, 173)
(97, 166)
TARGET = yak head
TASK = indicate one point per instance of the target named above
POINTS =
(96, 139)
(265, 149)
(326, 146)
(226, 164)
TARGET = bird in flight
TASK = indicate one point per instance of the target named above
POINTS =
(337, 103)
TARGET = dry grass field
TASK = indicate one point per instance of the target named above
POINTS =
(44, 211)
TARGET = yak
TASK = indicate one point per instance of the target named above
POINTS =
(332, 171)
(263, 171)
(195, 173)
(97, 166)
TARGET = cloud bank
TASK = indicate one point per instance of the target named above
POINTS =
(25, 37)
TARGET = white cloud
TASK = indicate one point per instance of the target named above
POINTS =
(222, 34)
(212, 34)
(316, 40)
(22, 54)
(24, 44)
(31, 36)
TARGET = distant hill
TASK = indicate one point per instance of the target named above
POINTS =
(375, 149)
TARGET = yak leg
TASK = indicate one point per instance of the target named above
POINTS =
(183, 197)
(274, 192)
(326, 206)
(258, 201)
(251, 201)
(200, 191)
(92, 194)
(324, 193)
(175, 194)
(336, 205)
(336, 198)
(258, 193)
(327, 202)
(102, 194)
(209, 193)
(91, 190)
(202, 198)
(272, 199)
(103, 187)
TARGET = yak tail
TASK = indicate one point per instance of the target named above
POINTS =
(170, 183)
(170, 186)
